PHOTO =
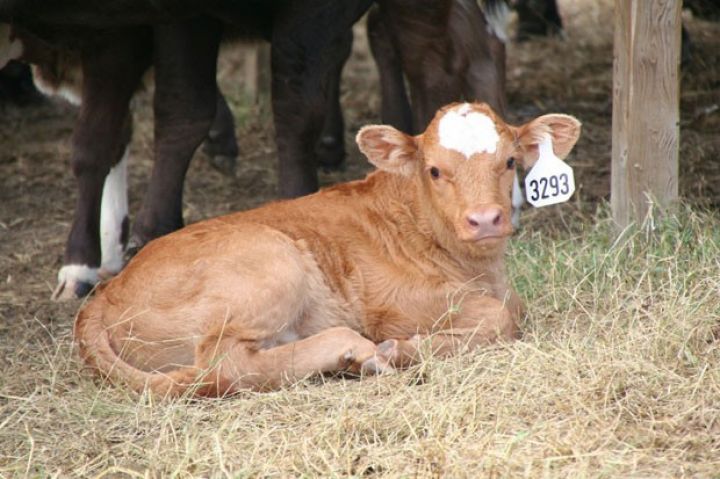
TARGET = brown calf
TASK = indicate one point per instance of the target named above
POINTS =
(354, 277)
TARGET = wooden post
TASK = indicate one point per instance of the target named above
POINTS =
(646, 110)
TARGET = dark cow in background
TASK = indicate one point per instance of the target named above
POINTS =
(463, 59)
(58, 72)
(542, 18)
(310, 39)
(111, 64)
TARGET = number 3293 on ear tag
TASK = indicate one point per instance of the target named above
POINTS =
(551, 180)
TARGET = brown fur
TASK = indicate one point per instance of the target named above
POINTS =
(264, 297)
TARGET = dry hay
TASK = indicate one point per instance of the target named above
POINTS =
(617, 374)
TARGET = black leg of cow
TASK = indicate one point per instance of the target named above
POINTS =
(185, 102)
(330, 149)
(485, 72)
(111, 72)
(298, 115)
(395, 106)
(308, 42)
(221, 144)
(537, 18)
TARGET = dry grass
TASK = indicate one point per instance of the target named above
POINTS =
(617, 374)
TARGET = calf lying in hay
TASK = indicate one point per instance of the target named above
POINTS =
(353, 278)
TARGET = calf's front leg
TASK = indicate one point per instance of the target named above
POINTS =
(480, 321)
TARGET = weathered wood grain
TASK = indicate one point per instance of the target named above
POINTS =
(645, 107)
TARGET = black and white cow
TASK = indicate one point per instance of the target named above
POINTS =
(58, 72)
(463, 59)
(311, 40)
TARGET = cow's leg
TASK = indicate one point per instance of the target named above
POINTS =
(330, 149)
(232, 364)
(308, 42)
(185, 102)
(221, 143)
(481, 321)
(111, 72)
(432, 66)
(395, 106)
(485, 75)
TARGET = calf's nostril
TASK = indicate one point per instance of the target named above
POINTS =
(497, 220)
(472, 222)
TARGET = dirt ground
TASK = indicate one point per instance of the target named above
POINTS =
(571, 75)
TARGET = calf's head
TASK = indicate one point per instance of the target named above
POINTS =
(464, 163)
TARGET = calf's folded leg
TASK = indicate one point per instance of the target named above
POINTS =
(481, 320)
(232, 364)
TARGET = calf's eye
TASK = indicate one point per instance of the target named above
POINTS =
(511, 163)
(434, 172)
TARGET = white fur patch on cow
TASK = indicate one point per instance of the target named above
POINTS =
(467, 131)
(113, 213)
(497, 15)
(10, 49)
(68, 92)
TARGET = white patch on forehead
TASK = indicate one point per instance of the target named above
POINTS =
(468, 132)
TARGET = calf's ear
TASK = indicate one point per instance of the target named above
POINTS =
(388, 149)
(563, 130)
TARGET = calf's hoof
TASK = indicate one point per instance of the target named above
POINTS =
(382, 361)
(75, 281)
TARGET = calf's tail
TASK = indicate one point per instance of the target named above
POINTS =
(94, 345)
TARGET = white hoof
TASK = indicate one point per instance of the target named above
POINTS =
(75, 281)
